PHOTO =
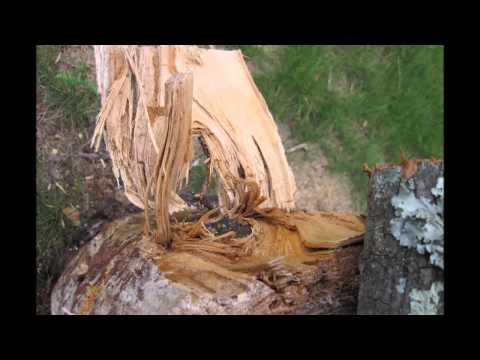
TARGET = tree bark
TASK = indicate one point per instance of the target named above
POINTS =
(401, 266)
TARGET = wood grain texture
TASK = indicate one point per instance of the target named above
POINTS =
(122, 272)
(228, 113)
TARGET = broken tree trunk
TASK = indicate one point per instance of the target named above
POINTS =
(401, 265)
(228, 113)
(288, 261)
(123, 272)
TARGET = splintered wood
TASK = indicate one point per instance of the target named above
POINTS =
(154, 99)
(175, 150)
(228, 113)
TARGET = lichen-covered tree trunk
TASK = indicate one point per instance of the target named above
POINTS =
(401, 266)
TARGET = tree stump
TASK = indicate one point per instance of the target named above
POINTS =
(401, 264)
(121, 271)
(154, 99)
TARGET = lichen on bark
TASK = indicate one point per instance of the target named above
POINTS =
(418, 222)
(391, 265)
(426, 302)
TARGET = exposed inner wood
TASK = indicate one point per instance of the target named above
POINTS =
(228, 113)
(154, 100)
(279, 274)
(175, 151)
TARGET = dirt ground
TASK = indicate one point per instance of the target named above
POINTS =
(67, 164)
(76, 190)
(317, 188)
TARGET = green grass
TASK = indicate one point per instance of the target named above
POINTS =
(52, 230)
(53, 234)
(72, 102)
(362, 104)
(69, 90)
(196, 178)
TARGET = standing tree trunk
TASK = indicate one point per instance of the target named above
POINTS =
(401, 266)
